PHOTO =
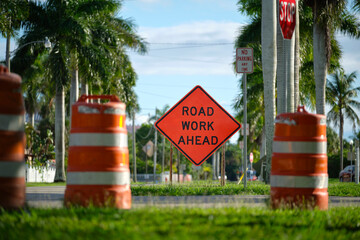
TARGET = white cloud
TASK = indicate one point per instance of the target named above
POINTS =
(193, 48)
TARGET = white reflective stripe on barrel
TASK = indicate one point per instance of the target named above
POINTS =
(299, 147)
(9, 122)
(12, 169)
(98, 178)
(99, 139)
(320, 181)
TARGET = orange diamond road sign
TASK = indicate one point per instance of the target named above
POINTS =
(197, 125)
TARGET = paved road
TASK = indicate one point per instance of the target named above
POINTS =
(54, 196)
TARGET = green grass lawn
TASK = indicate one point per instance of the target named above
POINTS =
(213, 188)
(335, 188)
(180, 223)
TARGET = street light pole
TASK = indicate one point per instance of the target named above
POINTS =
(46, 42)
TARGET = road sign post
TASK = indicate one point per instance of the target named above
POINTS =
(197, 125)
(244, 64)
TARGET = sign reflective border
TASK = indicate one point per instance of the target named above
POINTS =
(197, 125)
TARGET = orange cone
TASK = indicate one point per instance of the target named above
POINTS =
(299, 176)
(12, 141)
(98, 168)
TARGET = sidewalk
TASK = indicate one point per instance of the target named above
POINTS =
(53, 197)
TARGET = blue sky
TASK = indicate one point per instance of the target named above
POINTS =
(191, 43)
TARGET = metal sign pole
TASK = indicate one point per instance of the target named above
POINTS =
(245, 121)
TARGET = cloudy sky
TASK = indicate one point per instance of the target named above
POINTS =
(191, 43)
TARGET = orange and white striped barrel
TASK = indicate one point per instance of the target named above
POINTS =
(98, 165)
(12, 141)
(299, 173)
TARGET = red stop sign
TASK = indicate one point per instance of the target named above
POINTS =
(287, 17)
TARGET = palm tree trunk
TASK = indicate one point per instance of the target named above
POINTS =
(60, 133)
(290, 45)
(297, 58)
(341, 130)
(163, 154)
(8, 39)
(84, 87)
(32, 119)
(320, 63)
(74, 89)
(268, 41)
(280, 73)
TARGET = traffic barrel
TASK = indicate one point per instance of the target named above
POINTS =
(12, 141)
(299, 173)
(98, 165)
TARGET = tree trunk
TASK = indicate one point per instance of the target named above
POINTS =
(341, 130)
(320, 63)
(290, 45)
(60, 134)
(268, 41)
(32, 119)
(8, 40)
(84, 87)
(297, 58)
(280, 72)
(214, 166)
(163, 154)
(74, 89)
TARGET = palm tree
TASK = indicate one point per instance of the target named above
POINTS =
(33, 85)
(12, 13)
(159, 113)
(255, 104)
(268, 43)
(333, 141)
(250, 36)
(85, 32)
(329, 16)
(357, 5)
(341, 97)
